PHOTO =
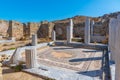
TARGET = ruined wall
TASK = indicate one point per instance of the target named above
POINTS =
(101, 28)
(60, 29)
(15, 30)
(45, 30)
(32, 28)
(4, 28)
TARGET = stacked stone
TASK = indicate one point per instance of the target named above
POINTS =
(112, 37)
(53, 36)
(70, 32)
(87, 31)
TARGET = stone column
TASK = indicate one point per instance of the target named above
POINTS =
(70, 32)
(30, 58)
(92, 28)
(53, 35)
(34, 40)
(112, 37)
(71, 28)
(87, 31)
(117, 55)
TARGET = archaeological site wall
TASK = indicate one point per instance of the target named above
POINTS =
(32, 28)
(4, 25)
(15, 30)
(45, 30)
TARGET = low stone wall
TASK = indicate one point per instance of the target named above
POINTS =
(97, 38)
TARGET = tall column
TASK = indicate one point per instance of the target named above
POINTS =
(87, 31)
(117, 55)
(70, 32)
(68, 35)
(34, 40)
(53, 35)
(30, 58)
(92, 28)
(112, 37)
(71, 28)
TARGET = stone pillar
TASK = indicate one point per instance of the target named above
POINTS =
(70, 32)
(53, 35)
(117, 55)
(112, 37)
(71, 28)
(30, 58)
(68, 35)
(92, 28)
(34, 40)
(87, 31)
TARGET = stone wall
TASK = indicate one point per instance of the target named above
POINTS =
(15, 30)
(98, 38)
(4, 25)
(45, 30)
(32, 28)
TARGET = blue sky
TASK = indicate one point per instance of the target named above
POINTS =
(39, 10)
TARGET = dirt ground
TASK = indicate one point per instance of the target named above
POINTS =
(9, 74)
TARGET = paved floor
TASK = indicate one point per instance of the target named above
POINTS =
(85, 64)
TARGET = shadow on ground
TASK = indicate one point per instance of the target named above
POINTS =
(85, 59)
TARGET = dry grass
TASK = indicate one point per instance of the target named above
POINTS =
(9, 74)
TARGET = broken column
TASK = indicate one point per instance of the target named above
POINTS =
(117, 55)
(31, 54)
(30, 58)
(92, 28)
(53, 35)
(112, 37)
(87, 31)
(34, 40)
(70, 32)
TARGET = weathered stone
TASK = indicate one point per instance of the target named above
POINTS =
(68, 35)
(53, 35)
(112, 37)
(45, 30)
(4, 25)
(15, 30)
(16, 57)
(32, 28)
(117, 55)
(30, 58)
(71, 28)
(92, 28)
(34, 40)
(87, 31)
